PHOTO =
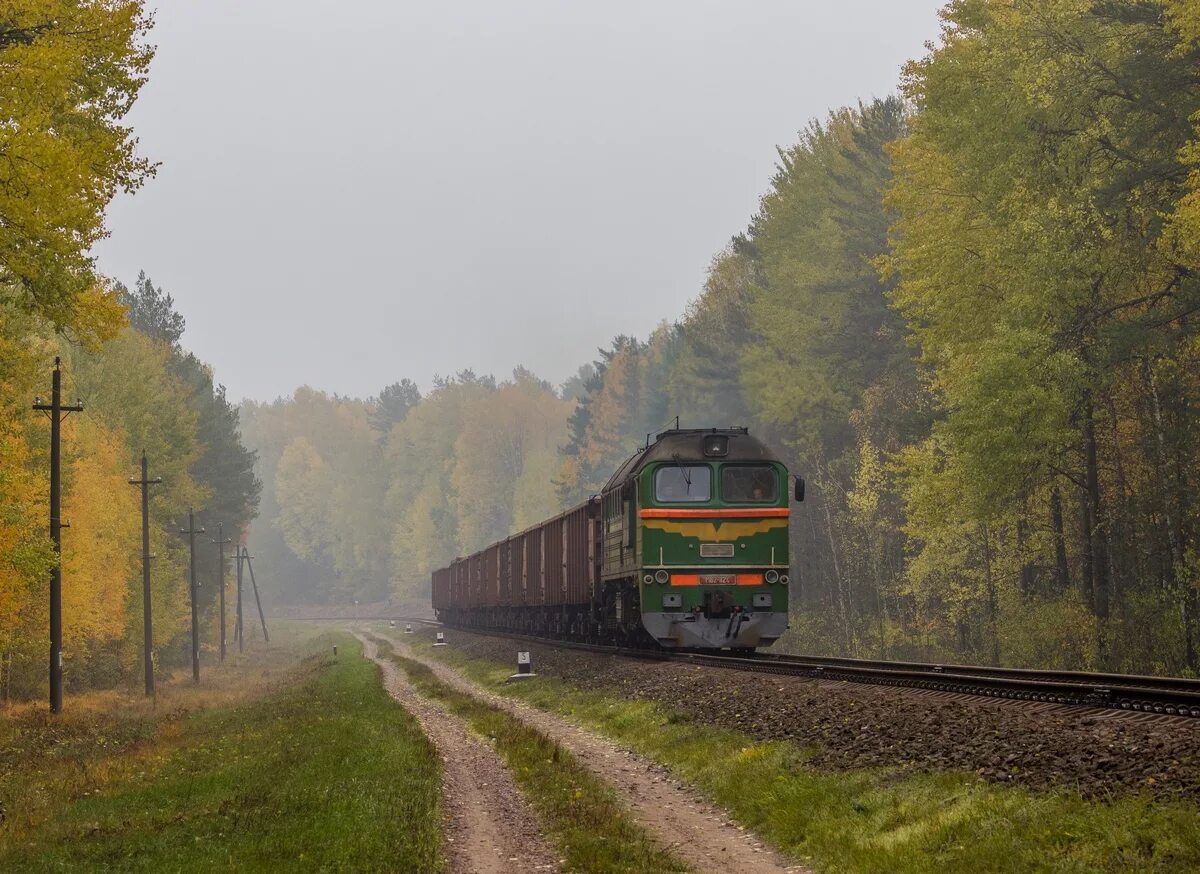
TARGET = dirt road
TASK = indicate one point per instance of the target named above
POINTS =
(490, 828)
(680, 818)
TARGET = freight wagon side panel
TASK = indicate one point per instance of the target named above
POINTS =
(491, 575)
(534, 555)
(516, 570)
(456, 598)
(577, 554)
(552, 550)
(475, 596)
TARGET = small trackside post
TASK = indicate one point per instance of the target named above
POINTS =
(524, 667)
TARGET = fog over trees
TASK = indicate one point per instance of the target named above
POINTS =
(965, 313)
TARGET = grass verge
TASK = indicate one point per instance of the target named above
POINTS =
(582, 815)
(876, 820)
(323, 771)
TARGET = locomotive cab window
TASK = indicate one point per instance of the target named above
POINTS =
(749, 484)
(683, 484)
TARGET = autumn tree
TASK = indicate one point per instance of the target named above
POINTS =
(67, 150)
(393, 405)
(1051, 310)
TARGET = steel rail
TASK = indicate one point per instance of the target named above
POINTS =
(1109, 691)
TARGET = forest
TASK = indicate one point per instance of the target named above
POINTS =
(965, 312)
(121, 354)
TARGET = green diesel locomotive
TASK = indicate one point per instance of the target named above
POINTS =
(685, 547)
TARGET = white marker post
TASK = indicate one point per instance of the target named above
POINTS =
(441, 639)
(524, 667)
(391, 623)
(408, 629)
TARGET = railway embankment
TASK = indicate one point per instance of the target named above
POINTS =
(1098, 753)
(868, 778)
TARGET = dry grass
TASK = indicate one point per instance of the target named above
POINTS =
(103, 738)
(304, 764)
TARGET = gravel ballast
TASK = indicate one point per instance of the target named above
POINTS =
(850, 725)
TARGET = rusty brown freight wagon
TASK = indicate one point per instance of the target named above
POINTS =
(541, 579)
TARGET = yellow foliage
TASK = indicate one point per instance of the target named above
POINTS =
(69, 72)
(100, 547)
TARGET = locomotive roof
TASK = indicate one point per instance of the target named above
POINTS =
(683, 444)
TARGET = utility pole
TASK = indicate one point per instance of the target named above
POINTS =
(191, 531)
(58, 411)
(239, 598)
(261, 617)
(147, 627)
(221, 541)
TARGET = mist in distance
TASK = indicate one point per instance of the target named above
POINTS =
(402, 190)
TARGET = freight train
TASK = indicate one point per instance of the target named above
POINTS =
(686, 547)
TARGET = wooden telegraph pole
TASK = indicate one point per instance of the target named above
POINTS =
(191, 531)
(147, 626)
(257, 601)
(58, 411)
(221, 541)
(238, 630)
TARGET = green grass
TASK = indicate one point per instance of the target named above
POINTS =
(876, 820)
(581, 814)
(323, 772)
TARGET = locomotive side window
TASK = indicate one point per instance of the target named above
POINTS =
(749, 484)
(683, 484)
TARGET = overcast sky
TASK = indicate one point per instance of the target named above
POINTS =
(354, 193)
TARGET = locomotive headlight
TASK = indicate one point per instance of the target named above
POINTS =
(647, 579)
(783, 578)
(661, 577)
(772, 576)
(715, 446)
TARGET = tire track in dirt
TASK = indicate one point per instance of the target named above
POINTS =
(489, 827)
(683, 822)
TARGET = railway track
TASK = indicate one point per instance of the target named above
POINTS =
(1161, 695)
(1170, 696)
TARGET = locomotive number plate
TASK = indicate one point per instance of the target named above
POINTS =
(718, 580)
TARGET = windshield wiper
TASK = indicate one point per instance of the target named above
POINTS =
(687, 479)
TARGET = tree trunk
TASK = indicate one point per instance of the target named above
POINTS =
(1027, 575)
(1062, 570)
(1160, 465)
(1087, 586)
(993, 627)
(1097, 533)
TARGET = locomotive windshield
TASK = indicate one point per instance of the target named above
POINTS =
(683, 483)
(748, 484)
